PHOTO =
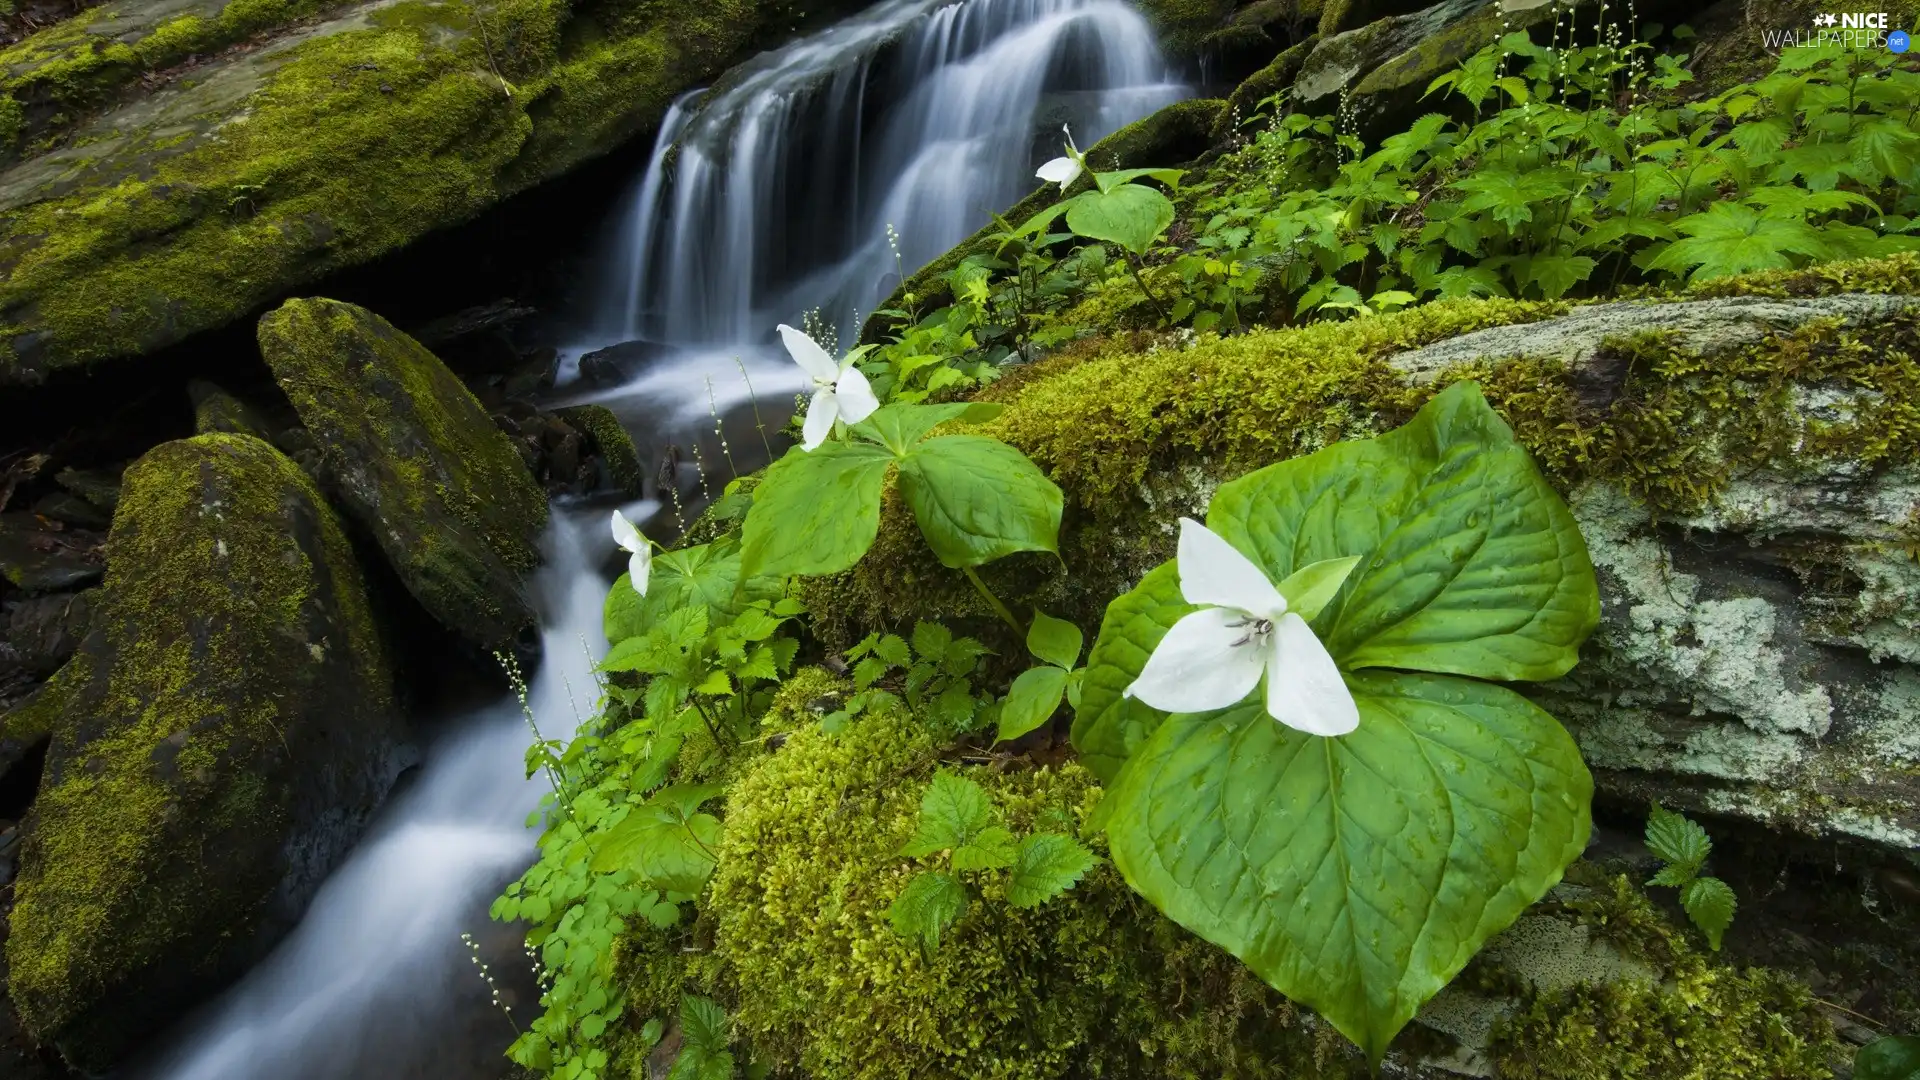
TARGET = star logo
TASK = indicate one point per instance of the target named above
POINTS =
(1825, 20)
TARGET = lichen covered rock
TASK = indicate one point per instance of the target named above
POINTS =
(417, 462)
(221, 738)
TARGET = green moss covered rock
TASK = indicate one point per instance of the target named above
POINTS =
(1094, 983)
(416, 460)
(345, 131)
(222, 736)
(611, 443)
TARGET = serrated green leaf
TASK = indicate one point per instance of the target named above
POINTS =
(1679, 841)
(893, 649)
(815, 512)
(931, 902)
(1896, 1057)
(704, 1039)
(1311, 588)
(868, 670)
(1673, 877)
(1709, 902)
(991, 849)
(977, 499)
(953, 811)
(1046, 865)
(1355, 875)
(1031, 701)
(664, 849)
(1055, 641)
(931, 640)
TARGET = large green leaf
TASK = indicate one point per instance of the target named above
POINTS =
(1356, 875)
(1031, 701)
(815, 512)
(1896, 1057)
(664, 842)
(1107, 725)
(977, 499)
(705, 573)
(1470, 563)
(1131, 215)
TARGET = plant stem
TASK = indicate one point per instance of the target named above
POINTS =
(1133, 264)
(993, 601)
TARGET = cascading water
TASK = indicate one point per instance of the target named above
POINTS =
(769, 196)
(775, 194)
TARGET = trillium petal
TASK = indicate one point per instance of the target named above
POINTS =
(1304, 687)
(808, 354)
(822, 411)
(1197, 666)
(856, 396)
(1061, 170)
(626, 535)
(1213, 571)
(640, 568)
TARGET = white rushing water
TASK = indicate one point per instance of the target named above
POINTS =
(767, 197)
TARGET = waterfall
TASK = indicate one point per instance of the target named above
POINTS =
(774, 194)
(766, 196)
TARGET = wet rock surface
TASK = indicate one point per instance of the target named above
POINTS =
(416, 461)
(219, 741)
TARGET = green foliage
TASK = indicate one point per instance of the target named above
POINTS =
(934, 676)
(975, 499)
(1037, 692)
(1684, 846)
(704, 1053)
(1896, 1057)
(1399, 849)
(957, 819)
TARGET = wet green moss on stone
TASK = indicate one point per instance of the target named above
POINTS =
(1093, 984)
(346, 141)
(1704, 1020)
(611, 441)
(224, 730)
(418, 461)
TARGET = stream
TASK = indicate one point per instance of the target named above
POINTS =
(809, 180)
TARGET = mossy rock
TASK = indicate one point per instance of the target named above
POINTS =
(1094, 983)
(1344, 57)
(1257, 87)
(416, 460)
(342, 132)
(222, 737)
(1747, 476)
(613, 445)
(215, 410)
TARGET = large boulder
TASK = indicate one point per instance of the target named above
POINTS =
(180, 164)
(416, 460)
(219, 741)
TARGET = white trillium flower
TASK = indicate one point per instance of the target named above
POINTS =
(1214, 657)
(840, 391)
(1064, 170)
(640, 565)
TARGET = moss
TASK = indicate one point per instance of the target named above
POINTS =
(72, 66)
(227, 725)
(1702, 1021)
(1261, 85)
(216, 410)
(355, 142)
(611, 441)
(421, 464)
(1092, 984)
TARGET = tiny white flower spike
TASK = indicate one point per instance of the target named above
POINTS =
(840, 391)
(639, 548)
(1066, 169)
(1214, 657)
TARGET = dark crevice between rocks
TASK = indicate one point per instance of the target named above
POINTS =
(1841, 916)
(19, 783)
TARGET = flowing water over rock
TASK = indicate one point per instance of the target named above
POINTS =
(769, 196)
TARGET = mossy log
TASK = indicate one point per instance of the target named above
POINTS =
(417, 461)
(219, 741)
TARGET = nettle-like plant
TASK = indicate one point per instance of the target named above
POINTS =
(1683, 846)
(1399, 580)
